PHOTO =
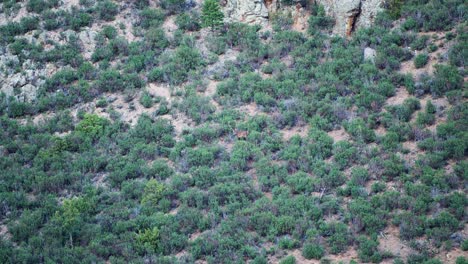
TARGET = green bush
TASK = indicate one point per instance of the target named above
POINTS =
(458, 54)
(447, 78)
(156, 39)
(212, 16)
(188, 22)
(368, 250)
(173, 6)
(442, 226)
(153, 193)
(319, 20)
(92, 125)
(146, 100)
(421, 60)
(288, 260)
(156, 75)
(420, 43)
(182, 62)
(464, 245)
(153, 18)
(313, 251)
(107, 10)
(359, 130)
(38, 6)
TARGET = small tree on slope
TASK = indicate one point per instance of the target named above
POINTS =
(212, 16)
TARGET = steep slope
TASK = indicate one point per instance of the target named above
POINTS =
(135, 135)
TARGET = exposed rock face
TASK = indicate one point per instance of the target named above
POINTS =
(351, 14)
(348, 14)
(369, 10)
(345, 14)
(23, 84)
(87, 37)
(246, 11)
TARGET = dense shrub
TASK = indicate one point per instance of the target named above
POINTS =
(151, 18)
(189, 22)
(359, 130)
(312, 251)
(107, 10)
(173, 6)
(319, 20)
(38, 6)
(447, 78)
(421, 60)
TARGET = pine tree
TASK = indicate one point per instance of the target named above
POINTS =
(212, 16)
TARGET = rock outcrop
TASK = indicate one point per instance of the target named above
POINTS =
(246, 11)
(21, 84)
(370, 54)
(351, 14)
(348, 14)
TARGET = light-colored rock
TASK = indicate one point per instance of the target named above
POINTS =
(87, 38)
(370, 54)
(344, 12)
(246, 11)
(21, 84)
(351, 14)
(28, 93)
(348, 14)
(369, 10)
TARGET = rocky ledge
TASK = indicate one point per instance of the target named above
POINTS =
(348, 14)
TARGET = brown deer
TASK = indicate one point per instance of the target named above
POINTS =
(241, 134)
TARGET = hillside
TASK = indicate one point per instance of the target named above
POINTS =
(233, 131)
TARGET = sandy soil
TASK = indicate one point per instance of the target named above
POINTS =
(345, 257)
(302, 131)
(401, 94)
(211, 88)
(249, 109)
(160, 90)
(390, 241)
(339, 135)
(169, 26)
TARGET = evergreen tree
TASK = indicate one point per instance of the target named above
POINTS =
(211, 14)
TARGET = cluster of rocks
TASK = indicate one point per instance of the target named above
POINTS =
(20, 81)
(348, 14)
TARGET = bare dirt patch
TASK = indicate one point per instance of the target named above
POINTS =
(390, 241)
(401, 94)
(408, 67)
(174, 211)
(211, 88)
(380, 131)
(339, 135)
(169, 26)
(344, 257)
(436, 38)
(180, 122)
(160, 90)
(299, 130)
(195, 236)
(249, 109)
(441, 104)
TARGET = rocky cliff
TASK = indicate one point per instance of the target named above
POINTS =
(348, 14)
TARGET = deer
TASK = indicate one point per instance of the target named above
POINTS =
(241, 134)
